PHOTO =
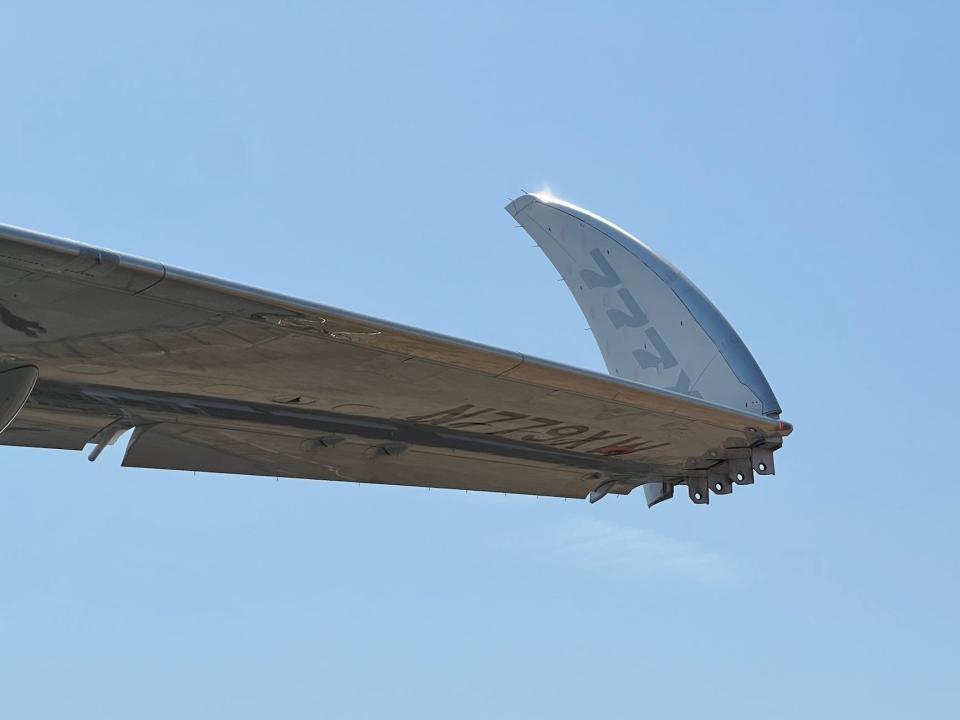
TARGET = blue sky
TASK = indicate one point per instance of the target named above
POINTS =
(797, 160)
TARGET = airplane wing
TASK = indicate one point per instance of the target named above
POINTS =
(208, 375)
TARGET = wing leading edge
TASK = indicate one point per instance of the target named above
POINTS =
(218, 377)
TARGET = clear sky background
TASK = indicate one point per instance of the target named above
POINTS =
(798, 161)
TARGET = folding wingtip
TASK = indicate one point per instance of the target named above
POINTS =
(646, 340)
(544, 197)
(518, 205)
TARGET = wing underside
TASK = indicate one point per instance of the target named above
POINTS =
(209, 376)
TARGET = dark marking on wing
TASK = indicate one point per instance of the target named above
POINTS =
(13, 321)
(572, 437)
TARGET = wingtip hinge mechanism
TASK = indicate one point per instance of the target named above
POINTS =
(721, 470)
(715, 474)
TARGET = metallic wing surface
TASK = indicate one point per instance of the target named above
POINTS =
(207, 375)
